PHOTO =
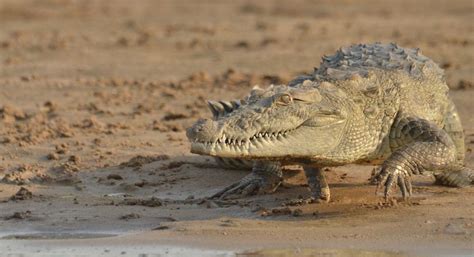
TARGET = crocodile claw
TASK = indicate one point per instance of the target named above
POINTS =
(249, 185)
(323, 196)
(388, 177)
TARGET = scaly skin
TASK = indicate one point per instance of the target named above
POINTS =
(366, 104)
(265, 177)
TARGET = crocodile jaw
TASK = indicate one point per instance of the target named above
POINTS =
(300, 143)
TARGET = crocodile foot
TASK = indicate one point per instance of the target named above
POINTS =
(322, 196)
(318, 185)
(388, 176)
(249, 185)
(374, 175)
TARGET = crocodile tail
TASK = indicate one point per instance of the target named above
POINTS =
(222, 108)
(455, 177)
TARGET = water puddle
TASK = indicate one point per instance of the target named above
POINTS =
(55, 243)
(311, 252)
(321, 253)
(65, 248)
(56, 235)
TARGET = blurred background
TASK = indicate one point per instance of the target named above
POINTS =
(171, 39)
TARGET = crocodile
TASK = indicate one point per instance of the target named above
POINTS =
(370, 104)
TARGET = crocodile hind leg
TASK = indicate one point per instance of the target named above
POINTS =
(317, 184)
(453, 126)
(265, 178)
(420, 146)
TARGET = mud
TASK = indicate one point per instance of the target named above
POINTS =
(96, 96)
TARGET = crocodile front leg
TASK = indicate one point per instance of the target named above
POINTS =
(265, 178)
(317, 184)
(420, 146)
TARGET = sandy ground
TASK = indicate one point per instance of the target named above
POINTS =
(96, 95)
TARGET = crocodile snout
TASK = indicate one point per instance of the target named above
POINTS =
(204, 130)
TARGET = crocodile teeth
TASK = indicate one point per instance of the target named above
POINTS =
(259, 139)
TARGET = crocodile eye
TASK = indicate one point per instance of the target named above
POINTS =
(284, 99)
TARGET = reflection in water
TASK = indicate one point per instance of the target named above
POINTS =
(321, 253)
(56, 235)
(66, 244)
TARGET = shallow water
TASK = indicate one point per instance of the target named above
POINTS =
(56, 235)
(72, 246)
(71, 243)
(23, 248)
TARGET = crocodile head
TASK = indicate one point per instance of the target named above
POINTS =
(279, 123)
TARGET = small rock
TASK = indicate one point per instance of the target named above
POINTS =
(141, 183)
(211, 204)
(446, 65)
(464, 84)
(230, 223)
(50, 107)
(114, 177)
(297, 212)
(97, 141)
(74, 159)
(281, 211)
(122, 41)
(152, 202)
(393, 202)
(128, 187)
(455, 229)
(242, 44)
(19, 215)
(52, 156)
(10, 111)
(174, 116)
(161, 227)
(140, 160)
(130, 216)
(22, 194)
(258, 208)
(61, 149)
